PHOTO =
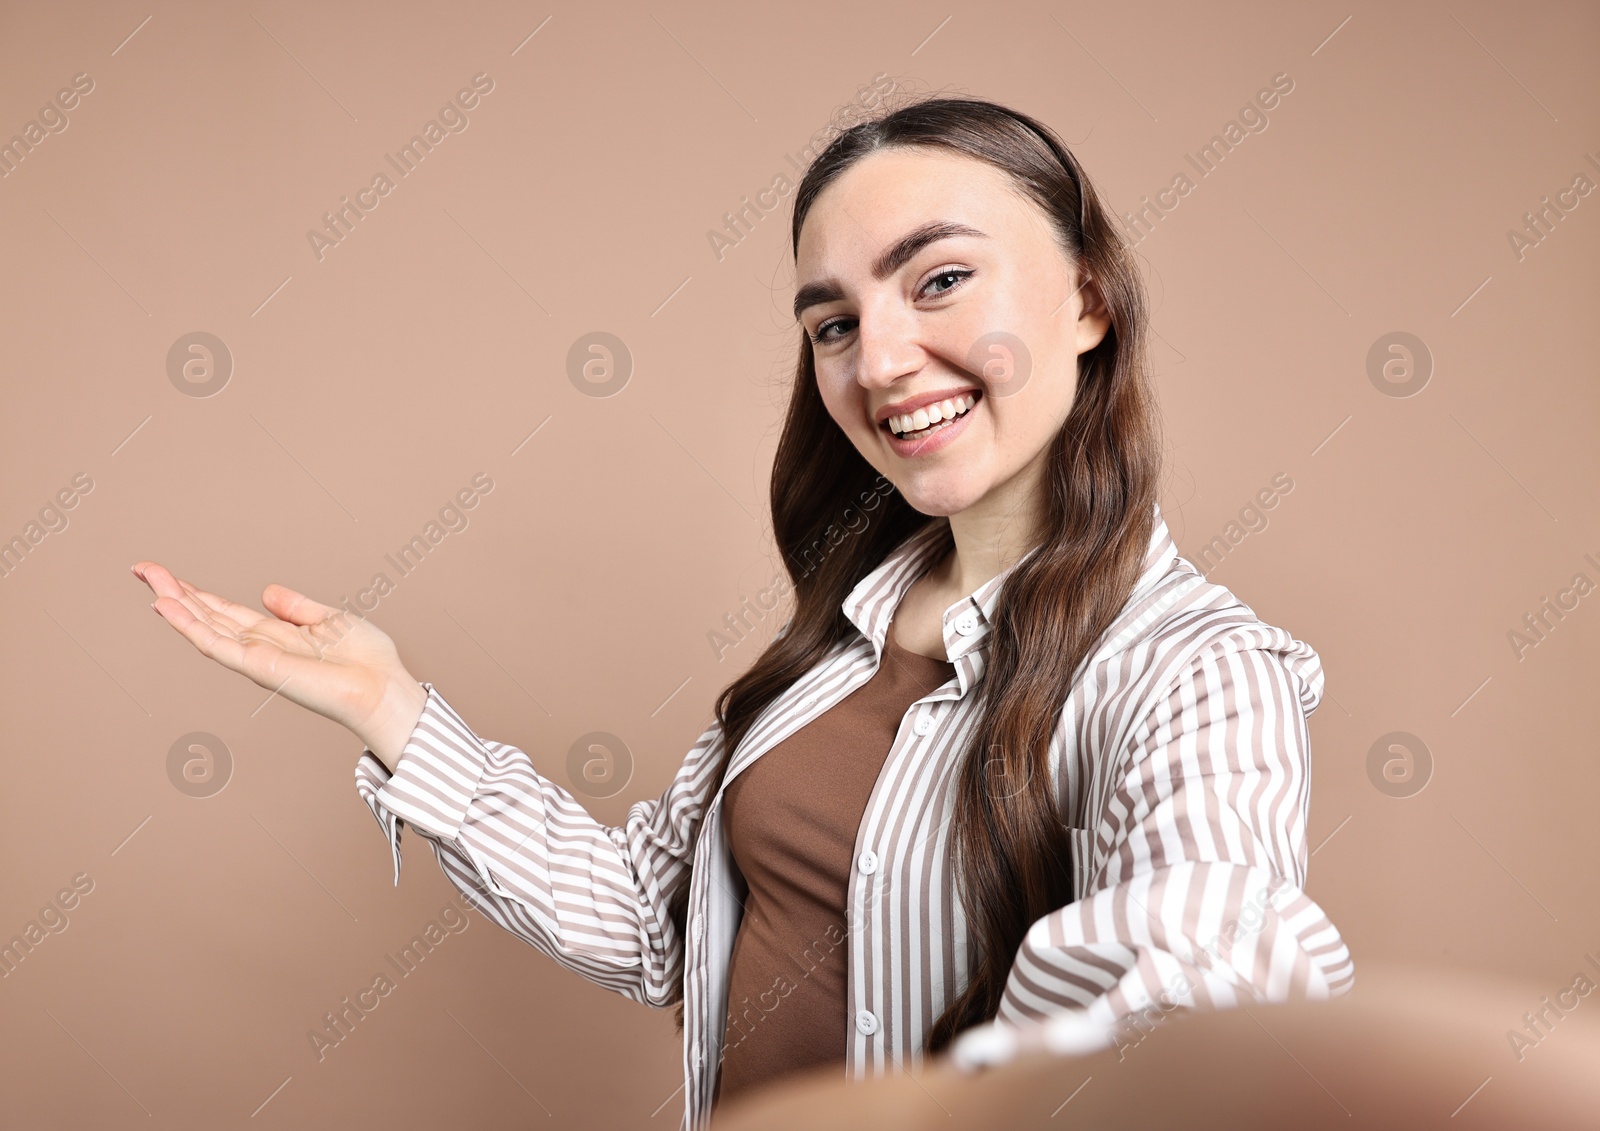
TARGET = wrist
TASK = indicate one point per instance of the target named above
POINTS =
(396, 717)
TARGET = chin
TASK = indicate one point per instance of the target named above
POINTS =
(937, 500)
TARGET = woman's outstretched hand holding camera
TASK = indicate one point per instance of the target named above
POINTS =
(323, 658)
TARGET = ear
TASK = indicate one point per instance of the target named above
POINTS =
(1094, 316)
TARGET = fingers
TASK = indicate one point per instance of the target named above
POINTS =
(272, 652)
(261, 660)
(208, 638)
(159, 578)
(293, 615)
(296, 608)
(210, 608)
(240, 615)
(197, 610)
(221, 615)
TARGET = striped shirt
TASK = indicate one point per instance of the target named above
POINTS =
(1181, 765)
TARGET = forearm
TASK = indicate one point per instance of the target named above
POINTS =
(1192, 886)
(393, 722)
(1207, 935)
(594, 897)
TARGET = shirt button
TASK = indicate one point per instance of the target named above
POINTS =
(967, 624)
(867, 862)
(924, 724)
(809, 702)
(698, 928)
(867, 1022)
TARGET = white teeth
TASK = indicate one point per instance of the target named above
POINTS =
(932, 414)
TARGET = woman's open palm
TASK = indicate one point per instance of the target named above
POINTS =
(323, 658)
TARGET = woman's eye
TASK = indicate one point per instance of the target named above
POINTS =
(954, 275)
(950, 273)
(822, 331)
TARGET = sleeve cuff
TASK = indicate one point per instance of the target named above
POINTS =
(434, 781)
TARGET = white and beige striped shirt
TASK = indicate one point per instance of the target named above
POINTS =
(1182, 767)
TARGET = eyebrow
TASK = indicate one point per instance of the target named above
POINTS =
(892, 259)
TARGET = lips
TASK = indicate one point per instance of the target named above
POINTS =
(922, 400)
(938, 437)
(932, 415)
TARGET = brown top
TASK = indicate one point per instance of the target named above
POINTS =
(792, 819)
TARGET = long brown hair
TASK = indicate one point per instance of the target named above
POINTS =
(1100, 483)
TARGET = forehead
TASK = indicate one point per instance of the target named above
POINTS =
(891, 191)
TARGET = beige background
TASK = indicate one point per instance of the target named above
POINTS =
(369, 387)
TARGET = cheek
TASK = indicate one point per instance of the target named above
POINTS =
(1024, 423)
(1043, 403)
(839, 397)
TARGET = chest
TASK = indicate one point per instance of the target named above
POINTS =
(919, 620)
(793, 815)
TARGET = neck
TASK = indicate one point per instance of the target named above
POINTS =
(993, 534)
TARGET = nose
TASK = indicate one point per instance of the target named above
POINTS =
(887, 345)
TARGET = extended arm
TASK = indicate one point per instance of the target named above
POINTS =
(1195, 863)
(592, 897)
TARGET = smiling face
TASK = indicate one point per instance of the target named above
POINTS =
(918, 268)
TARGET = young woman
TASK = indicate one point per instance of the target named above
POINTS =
(1011, 757)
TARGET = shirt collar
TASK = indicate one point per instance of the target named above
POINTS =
(872, 603)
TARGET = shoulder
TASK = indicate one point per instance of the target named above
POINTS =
(1177, 620)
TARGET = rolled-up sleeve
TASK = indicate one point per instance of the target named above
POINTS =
(1194, 866)
(595, 898)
